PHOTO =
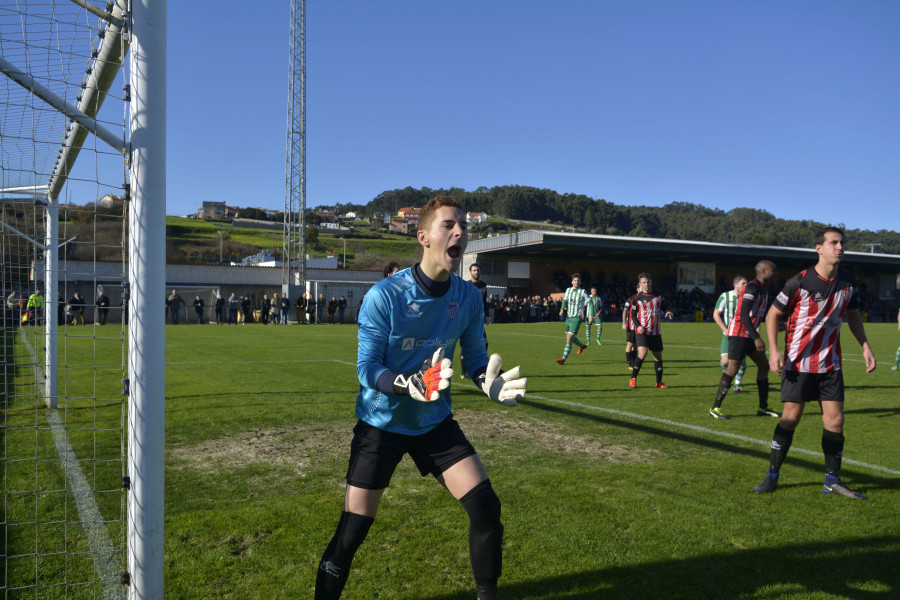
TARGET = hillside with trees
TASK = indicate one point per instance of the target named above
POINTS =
(95, 233)
(678, 220)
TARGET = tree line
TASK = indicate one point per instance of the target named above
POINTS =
(677, 220)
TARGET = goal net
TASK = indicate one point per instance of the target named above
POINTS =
(65, 197)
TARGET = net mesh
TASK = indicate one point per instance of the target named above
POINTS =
(62, 466)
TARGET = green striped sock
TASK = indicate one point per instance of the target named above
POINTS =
(566, 351)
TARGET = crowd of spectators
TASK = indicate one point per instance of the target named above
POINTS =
(694, 305)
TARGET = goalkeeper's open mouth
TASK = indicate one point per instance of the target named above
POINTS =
(454, 253)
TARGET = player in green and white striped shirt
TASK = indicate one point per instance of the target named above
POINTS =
(726, 306)
(594, 309)
(573, 305)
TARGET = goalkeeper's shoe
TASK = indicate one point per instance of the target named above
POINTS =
(834, 485)
(767, 412)
(632, 383)
(768, 484)
(580, 350)
(560, 361)
(717, 413)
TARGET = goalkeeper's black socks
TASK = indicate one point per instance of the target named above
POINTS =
(833, 447)
(485, 536)
(724, 386)
(335, 566)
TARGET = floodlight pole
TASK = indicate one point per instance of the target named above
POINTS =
(147, 281)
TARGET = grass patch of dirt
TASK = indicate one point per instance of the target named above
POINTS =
(294, 447)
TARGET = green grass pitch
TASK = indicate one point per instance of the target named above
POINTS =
(607, 492)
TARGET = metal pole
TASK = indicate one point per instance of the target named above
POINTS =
(51, 286)
(146, 277)
(220, 247)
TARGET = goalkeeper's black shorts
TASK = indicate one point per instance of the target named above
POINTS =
(375, 453)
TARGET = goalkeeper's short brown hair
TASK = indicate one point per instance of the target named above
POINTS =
(426, 215)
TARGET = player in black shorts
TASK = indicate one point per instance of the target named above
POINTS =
(744, 340)
(815, 302)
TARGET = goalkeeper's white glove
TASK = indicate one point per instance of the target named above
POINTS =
(425, 384)
(505, 388)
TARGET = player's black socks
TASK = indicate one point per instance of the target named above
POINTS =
(335, 565)
(659, 369)
(485, 535)
(724, 386)
(833, 447)
(781, 443)
(763, 386)
(636, 366)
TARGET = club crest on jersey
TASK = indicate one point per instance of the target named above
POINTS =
(817, 297)
(454, 308)
(413, 310)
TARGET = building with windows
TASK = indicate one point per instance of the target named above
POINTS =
(216, 210)
(410, 214)
(541, 263)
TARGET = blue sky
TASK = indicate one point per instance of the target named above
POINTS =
(791, 107)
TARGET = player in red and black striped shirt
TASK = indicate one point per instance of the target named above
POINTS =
(815, 302)
(744, 340)
(647, 312)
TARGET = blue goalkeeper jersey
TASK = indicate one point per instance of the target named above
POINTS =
(400, 327)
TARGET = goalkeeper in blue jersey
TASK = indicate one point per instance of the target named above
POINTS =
(409, 326)
(574, 305)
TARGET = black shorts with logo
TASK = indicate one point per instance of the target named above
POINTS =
(375, 453)
(740, 347)
(810, 387)
(629, 336)
(652, 342)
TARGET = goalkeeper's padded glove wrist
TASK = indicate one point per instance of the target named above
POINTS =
(505, 388)
(426, 384)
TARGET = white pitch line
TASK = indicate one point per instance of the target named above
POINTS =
(244, 362)
(705, 431)
(102, 549)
